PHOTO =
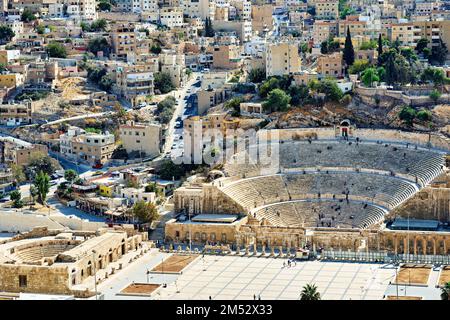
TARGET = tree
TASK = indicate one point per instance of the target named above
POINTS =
(56, 50)
(152, 187)
(209, 31)
(380, 48)
(277, 100)
(16, 197)
(42, 184)
(434, 75)
(329, 46)
(257, 75)
(18, 174)
(435, 95)
(155, 48)
(370, 76)
(234, 104)
(106, 83)
(368, 45)
(33, 193)
(6, 34)
(99, 44)
(70, 175)
(39, 162)
(407, 114)
(299, 94)
(27, 15)
(267, 86)
(346, 12)
(398, 69)
(421, 45)
(310, 292)
(163, 82)
(104, 6)
(170, 170)
(359, 66)
(424, 115)
(40, 29)
(99, 25)
(145, 212)
(330, 88)
(349, 52)
(445, 291)
(439, 53)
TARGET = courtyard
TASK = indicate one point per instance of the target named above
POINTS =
(233, 277)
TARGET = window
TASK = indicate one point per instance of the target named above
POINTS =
(22, 281)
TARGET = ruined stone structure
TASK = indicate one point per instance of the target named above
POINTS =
(57, 263)
(330, 188)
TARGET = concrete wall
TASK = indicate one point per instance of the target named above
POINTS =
(77, 224)
(19, 222)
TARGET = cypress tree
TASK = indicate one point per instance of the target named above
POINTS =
(349, 52)
(380, 48)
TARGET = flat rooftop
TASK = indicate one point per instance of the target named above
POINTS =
(415, 224)
(223, 218)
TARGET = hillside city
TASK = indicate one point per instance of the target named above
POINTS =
(154, 149)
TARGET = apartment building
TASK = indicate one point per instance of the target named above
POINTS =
(262, 18)
(90, 147)
(227, 56)
(82, 9)
(323, 30)
(356, 27)
(201, 132)
(282, 59)
(134, 83)
(142, 138)
(171, 17)
(327, 9)
(16, 114)
(19, 153)
(175, 65)
(330, 65)
(242, 28)
(11, 80)
(243, 9)
(208, 98)
(123, 40)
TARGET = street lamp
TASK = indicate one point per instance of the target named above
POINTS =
(95, 274)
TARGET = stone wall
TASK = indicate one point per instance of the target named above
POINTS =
(42, 279)
(217, 232)
(435, 140)
(429, 203)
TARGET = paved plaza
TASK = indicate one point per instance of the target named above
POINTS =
(241, 278)
(233, 277)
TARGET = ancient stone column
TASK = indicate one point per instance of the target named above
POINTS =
(424, 245)
(415, 246)
(395, 245)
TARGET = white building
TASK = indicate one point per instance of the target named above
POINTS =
(171, 17)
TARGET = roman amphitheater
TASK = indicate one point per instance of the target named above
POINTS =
(329, 188)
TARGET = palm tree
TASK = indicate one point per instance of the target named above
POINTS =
(310, 292)
(445, 292)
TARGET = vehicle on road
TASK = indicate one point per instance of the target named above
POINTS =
(97, 165)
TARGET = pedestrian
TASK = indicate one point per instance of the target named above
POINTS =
(254, 296)
(284, 264)
(210, 298)
(259, 297)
